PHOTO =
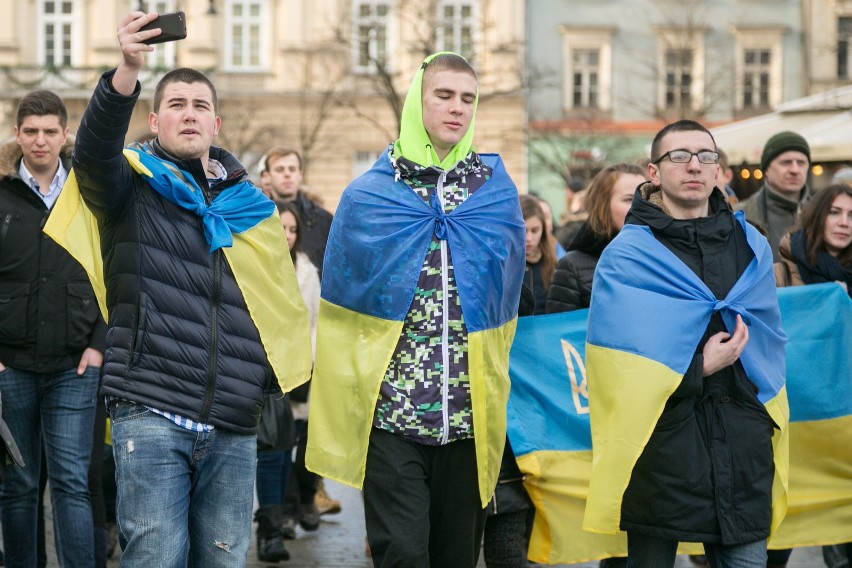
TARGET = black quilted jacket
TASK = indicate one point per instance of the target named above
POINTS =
(571, 287)
(180, 338)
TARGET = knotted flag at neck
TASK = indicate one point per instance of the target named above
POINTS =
(254, 247)
(237, 208)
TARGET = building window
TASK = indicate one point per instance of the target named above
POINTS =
(164, 54)
(678, 78)
(585, 65)
(455, 27)
(57, 18)
(587, 77)
(757, 64)
(244, 36)
(844, 47)
(371, 35)
(362, 161)
(757, 69)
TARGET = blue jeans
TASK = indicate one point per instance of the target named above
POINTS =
(648, 552)
(273, 475)
(56, 410)
(184, 498)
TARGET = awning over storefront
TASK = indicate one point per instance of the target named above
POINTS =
(824, 120)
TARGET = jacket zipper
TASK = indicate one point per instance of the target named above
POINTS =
(215, 302)
(445, 304)
(214, 340)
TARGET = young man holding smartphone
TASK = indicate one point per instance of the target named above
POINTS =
(194, 262)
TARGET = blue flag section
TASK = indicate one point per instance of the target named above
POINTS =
(819, 378)
(549, 381)
(548, 426)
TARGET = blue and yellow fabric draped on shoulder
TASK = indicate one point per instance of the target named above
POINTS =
(377, 244)
(243, 223)
(548, 424)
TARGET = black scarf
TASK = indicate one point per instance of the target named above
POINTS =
(827, 269)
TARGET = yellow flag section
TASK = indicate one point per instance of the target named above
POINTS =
(558, 485)
(72, 225)
(262, 267)
(818, 320)
(624, 411)
(820, 503)
(260, 263)
(488, 363)
(353, 353)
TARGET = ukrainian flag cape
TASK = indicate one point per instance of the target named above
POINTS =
(379, 238)
(648, 312)
(240, 221)
(818, 321)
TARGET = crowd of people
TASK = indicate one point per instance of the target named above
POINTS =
(181, 299)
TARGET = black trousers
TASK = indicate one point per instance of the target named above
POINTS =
(421, 503)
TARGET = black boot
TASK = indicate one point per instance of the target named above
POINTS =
(270, 541)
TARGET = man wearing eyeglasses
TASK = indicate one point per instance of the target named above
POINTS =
(685, 328)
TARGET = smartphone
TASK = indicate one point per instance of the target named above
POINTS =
(173, 28)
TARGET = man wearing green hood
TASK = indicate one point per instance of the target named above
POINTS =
(419, 300)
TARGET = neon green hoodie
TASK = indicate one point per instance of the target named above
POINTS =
(414, 143)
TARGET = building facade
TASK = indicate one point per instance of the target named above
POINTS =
(612, 72)
(325, 77)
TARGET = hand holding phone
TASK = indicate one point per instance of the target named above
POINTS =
(172, 27)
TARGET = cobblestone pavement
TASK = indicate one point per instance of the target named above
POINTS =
(339, 542)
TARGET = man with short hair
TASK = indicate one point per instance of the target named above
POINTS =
(776, 206)
(282, 171)
(204, 311)
(51, 342)
(416, 320)
(685, 363)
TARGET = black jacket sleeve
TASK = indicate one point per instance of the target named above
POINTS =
(570, 288)
(98, 338)
(103, 175)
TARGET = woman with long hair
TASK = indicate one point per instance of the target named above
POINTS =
(820, 250)
(608, 199)
(540, 252)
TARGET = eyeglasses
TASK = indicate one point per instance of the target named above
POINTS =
(683, 156)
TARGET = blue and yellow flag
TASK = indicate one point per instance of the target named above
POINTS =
(548, 419)
(548, 426)
(378, 241)
(648, 312)
(818, 322)
(243, 223)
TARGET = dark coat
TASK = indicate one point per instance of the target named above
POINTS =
(706, 473)
(773, 214)
(316, 224)
(571, 287)
(48, 311)
(180, 339)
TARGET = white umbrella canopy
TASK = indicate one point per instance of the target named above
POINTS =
(824, 120)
